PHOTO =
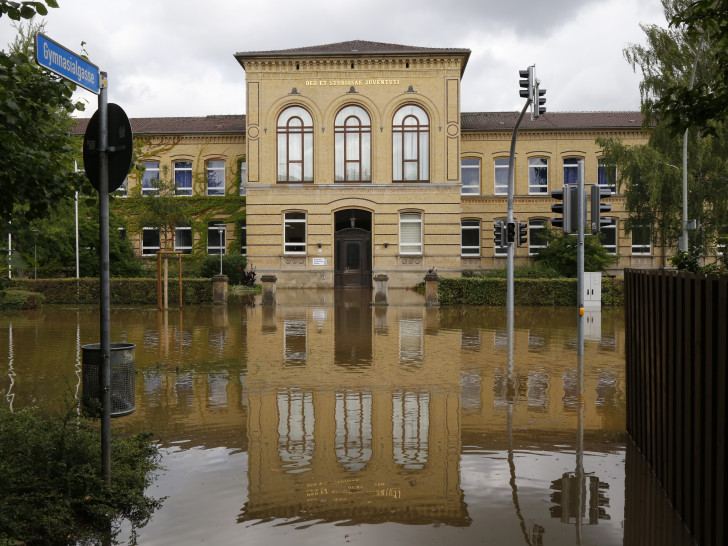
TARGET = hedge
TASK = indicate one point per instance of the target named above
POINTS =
(20, 299)
(122, 291)
(493, 291)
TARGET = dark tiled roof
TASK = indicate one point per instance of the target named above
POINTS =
(502, 121)
(353, 47)
(470, 122)
(206, 124)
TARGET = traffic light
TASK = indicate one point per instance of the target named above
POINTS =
(499, 233)
(522, 234)
(526, 82)
(510, 233)
(569, 209)
(597, 207)
(538, 100)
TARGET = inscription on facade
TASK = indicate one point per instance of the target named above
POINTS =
(352, 82)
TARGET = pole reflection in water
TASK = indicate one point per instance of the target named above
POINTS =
(291, 422)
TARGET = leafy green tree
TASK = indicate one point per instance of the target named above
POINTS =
(36, 152)
(25, 10)
(650, 176)
(560, 254)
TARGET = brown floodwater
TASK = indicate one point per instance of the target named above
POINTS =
(323, 420)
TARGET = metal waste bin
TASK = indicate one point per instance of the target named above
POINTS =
(122, 378)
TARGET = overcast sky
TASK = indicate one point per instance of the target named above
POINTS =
(175, 58)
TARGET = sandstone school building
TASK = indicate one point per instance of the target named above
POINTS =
(355, 159)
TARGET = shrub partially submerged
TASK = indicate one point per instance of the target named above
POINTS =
(53, 490)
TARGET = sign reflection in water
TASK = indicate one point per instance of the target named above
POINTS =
(340, 412)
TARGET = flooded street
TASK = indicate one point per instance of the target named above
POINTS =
(323, 420)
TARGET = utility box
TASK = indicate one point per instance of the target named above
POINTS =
(592, 291)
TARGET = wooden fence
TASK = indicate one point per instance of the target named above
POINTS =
(677, 332)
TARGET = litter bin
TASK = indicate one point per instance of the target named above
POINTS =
(122, 378)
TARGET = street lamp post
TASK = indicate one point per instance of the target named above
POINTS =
(221, 249)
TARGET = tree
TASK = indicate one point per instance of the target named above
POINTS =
(650, 176)
(25, 10)
(36, 152)
(683, 105)
(560, 254)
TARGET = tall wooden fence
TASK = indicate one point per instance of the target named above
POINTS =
(677, 332)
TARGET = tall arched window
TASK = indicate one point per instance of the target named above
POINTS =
(295, 145)
(411, 145)
(353, 150)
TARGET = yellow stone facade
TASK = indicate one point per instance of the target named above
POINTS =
(381, 80)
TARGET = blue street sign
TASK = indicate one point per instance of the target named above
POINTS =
(66, 64)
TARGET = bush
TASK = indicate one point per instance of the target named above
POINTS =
(53, 491)
(20, 299)
(537, 271)
(233, 265)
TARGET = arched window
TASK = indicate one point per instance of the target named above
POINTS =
(295, 145)
(353, 149)
(411, 145)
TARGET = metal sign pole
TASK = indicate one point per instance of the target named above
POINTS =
(105, 334)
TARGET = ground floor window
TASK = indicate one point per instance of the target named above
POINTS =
(244, 239)
(609, 236)
(536, 236)
(470, 238)
(150, 241)
(410, 233)
(294, 233)
(216, 238)
(641, 241)
(183, 239)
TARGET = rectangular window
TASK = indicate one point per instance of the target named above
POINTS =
(571, 170)
(607, 175)
(216, 177)
(243, 177)
(641, 241)
(536, 236)
(294, 233)
(244, 239)
(150, 241)
(470, 176)
(183, 239)
(410, 233)
(501, 176)
(470, 237)
(150, 178)
(609, 236)
(216, 238)
(538, 176)
(183, 178)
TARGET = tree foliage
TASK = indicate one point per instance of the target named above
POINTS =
(25, 10)
(36, 153)
(650, 176)
(560, 254)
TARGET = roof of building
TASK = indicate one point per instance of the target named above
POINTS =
(501, 121)
(470, 122)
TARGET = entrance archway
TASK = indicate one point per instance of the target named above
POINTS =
(353, 248)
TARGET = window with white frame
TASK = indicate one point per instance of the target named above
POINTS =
(470, 176)
(410, 233)
(411, 145)
(721, 244)
(352, 145)
(470, 237)
(216, 177)
(216, 238)
(536, 236)
(183, 178)
(641, 244)
(243, 165)
(499, 251)
(244, 239)
(571, 170)
(501, 176)
(607, 175)
(121, 190)
(294, 232)
(410, 429)
(150, 241)
(609, 236)
(295, 145)
(183, 239)
(538, 176)
(150, 178)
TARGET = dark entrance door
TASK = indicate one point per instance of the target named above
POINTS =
(353, 258)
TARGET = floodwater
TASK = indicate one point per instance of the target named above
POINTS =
(324, 420)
